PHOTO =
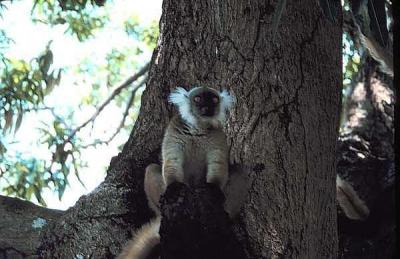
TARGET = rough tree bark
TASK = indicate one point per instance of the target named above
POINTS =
(282, 131)
(20, 226)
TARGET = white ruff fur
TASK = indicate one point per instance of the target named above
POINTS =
(226, 104)
(180, 97)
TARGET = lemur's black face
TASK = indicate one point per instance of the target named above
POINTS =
(206, 103)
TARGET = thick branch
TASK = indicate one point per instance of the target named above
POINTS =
(20, 225)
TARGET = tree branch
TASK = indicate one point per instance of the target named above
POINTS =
(109, 99)
(126, 112)
(20, 226)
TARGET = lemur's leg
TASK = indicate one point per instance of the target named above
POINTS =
(172, 169)
(217, 167)
(154, 186)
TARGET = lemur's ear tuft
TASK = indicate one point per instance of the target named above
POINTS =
(226, 100)
(226, 103)
(179, 96)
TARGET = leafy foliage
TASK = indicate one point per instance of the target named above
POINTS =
(27, 85)
(82, 17)
(351, 59)
(24, 86)
(146, 34)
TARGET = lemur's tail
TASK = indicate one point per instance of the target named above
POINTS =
(144, 244)
(352, 205)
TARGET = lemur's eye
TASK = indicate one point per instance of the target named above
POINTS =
(197, 99)
(215, 100)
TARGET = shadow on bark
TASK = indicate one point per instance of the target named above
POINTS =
(195, 225)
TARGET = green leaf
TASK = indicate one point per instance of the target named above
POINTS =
(8, 116)
(3, 149)
(61, 189)
(19, 119)
(45, 61)
(57, 127)
(38, 195)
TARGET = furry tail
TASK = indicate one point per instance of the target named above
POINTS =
(349, 201)
(144, 242)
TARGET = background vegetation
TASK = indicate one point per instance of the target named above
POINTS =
(64, 108)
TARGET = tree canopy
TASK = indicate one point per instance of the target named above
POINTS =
(112, 79)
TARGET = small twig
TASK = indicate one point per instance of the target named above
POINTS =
(76, 170)
(52, 111)
(35, 109)
(128, 105)
(125, 115)
(109, 99)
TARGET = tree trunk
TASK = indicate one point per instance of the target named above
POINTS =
(282, 131)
